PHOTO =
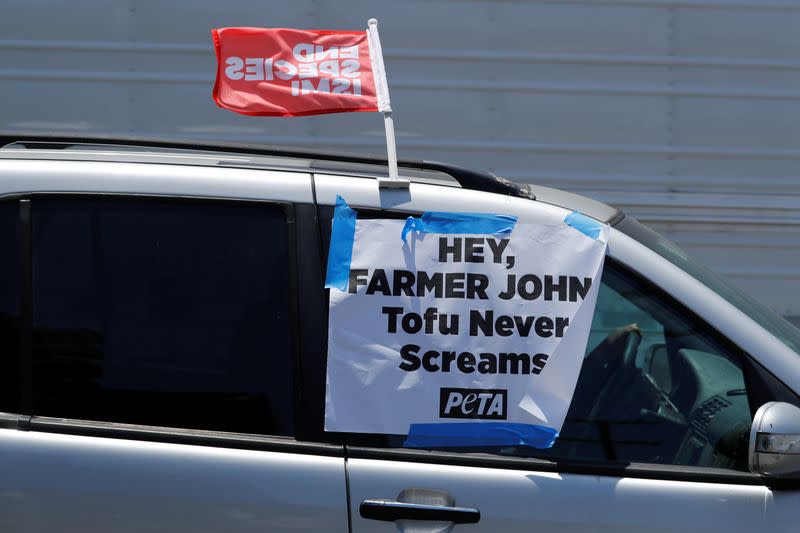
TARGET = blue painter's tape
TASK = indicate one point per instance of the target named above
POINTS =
(588, 226)
(465, 223)
(467, 434)
(340, 252)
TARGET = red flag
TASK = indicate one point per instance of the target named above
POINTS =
(285, 72)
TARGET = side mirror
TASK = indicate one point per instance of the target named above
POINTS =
(775, 441)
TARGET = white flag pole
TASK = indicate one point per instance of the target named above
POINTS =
(384, 105)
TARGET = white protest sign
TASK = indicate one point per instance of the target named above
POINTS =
(455, 328)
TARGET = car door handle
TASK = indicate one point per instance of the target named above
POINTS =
(391, 510)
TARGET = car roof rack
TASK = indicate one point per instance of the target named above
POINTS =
(466, 178)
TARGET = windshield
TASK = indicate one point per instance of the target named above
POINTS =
(765, 317)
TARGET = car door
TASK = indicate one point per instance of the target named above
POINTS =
(655, 439)
(659, 446)
(149, 352)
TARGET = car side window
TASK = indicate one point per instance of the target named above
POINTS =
(163, 313)
(657, 385)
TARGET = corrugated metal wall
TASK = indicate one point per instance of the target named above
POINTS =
(686, 113)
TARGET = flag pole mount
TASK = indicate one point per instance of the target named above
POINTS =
(394, 181)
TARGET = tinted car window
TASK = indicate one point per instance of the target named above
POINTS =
(162, 313)
(9, 307)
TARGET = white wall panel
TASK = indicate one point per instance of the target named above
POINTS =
(684, 112)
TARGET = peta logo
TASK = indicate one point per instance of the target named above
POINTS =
(485, 404)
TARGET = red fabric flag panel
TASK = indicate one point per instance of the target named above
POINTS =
(286, 72)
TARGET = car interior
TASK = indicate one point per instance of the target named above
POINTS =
(682, 401)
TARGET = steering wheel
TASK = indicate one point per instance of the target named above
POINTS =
(614, 356)
(619, 377)
(604, 377)
(632, 339)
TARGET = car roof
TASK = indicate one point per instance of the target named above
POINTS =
(251, 156)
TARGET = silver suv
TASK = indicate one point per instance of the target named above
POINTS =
(163, 339)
